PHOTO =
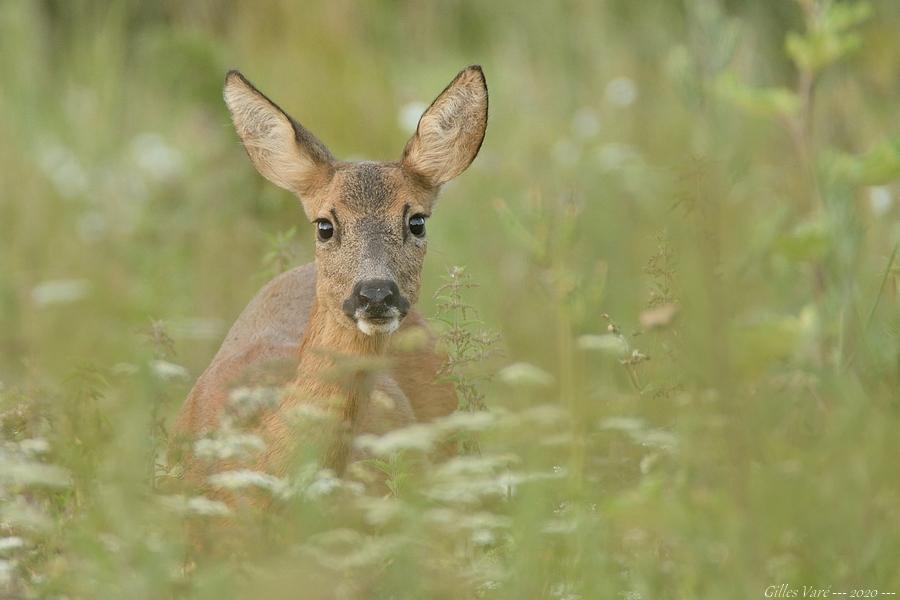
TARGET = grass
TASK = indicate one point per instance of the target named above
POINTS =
(682, 228)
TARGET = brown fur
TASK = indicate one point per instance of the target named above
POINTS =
(294, 333)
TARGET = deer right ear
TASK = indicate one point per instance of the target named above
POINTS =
(281, 149)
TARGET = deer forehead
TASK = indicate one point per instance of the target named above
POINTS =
(374, 190)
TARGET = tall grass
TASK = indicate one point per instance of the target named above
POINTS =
(683, 227)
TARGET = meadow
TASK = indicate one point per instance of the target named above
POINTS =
(668, 287)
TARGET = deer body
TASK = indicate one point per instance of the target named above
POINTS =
(263, 347)
(369, 218)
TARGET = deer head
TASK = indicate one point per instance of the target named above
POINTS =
(369, 217)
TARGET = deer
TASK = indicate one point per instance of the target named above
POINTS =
(358, 295)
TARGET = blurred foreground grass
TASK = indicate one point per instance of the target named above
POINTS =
(683, 224)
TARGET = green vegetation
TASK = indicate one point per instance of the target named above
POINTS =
(683, 227)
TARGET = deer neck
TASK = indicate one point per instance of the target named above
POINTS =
(334, 376)
(326, 338)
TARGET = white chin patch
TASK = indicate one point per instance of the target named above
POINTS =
(382, 328)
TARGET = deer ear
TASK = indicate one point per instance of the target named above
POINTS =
(450, 132)
(281, 149)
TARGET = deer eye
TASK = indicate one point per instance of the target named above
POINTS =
(417, 225)
(324, 230)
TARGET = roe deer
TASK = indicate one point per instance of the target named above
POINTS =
(369, 220)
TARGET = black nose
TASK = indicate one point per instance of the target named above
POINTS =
(377, 292)
(375, 297)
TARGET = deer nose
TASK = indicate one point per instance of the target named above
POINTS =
(377, 292)
(375, 298)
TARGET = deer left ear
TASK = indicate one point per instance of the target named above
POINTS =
(450, 132)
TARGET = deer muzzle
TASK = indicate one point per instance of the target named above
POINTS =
(376, 306)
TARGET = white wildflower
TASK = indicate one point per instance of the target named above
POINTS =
(20, 514)
(168, 371)
(155, 156)
(585, 123)
(607, 343)
(201, 505)
(34, 446)
(648, 461)
(466, 520)
(423, 436)
(245, 402)
(11, 543)
(60, 291)
(16, 471)
(465, 421)
(471, 490)
(525, 374)
(613, 157)
(656, 438)
(309, 414)
(880, 200)
(324, 483)
(229, 444)
(196, 505)
(419, 436)
(349, 549)
(381, 511)
(63, 168)
(245, 478)
(468, 465)
(563, 591)
(640, 434)
(483, 537)
(511, 481)
(621, 91)
(622, 424)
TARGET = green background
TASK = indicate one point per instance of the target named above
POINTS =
(739, 160)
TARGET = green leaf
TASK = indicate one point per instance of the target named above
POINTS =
(881, 164)
(808, 241)
(757, 345)
(762, 101)
(828, 39)
(842, 16)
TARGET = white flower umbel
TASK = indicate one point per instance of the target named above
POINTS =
(245, 478)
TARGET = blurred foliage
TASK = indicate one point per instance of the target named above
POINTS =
(683, 224)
